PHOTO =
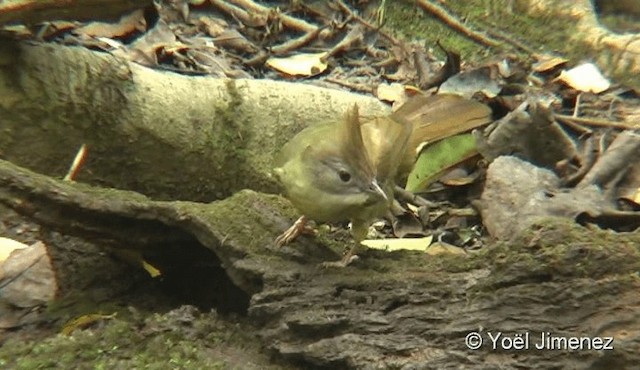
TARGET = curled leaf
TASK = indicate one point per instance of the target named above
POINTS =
(299, 64)
(585, 77)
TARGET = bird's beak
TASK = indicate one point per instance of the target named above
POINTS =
(377, 189)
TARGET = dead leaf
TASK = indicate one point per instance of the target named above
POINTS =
(299, 64)
(84, 321)
(483, 79)
(28, 279)
(439, 248)
(7, 246)
(394, 93)
(152, 270)
(585, 77)
(143, 50)
(413, 244)
(233, 39)
(548, 62)
(127, 24)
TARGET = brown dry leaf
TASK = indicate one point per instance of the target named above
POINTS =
(57, 27)
(548, 62)
(127, 24)
(233, 39)
(484, 79)
(212, 26)
(7, 246)
(408, 224)
(395, 93)
(629, 187)
(299, 64)
(585, 77)
(18, 31)
(143, 50)
(459, 181)
(635, 197)
(631, 115)
(405, 72)
(28, 279)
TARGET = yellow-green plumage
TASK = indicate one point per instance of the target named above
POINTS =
(346, 170)
(310, 165)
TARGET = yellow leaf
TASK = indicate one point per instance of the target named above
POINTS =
(154, 272)
(299, 64)
(443, 248)
(413, 244)
(9, 245)
(84, 321)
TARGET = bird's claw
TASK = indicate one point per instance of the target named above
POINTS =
(293, 232)
(340, 264)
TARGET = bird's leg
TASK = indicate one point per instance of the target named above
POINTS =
(293, 232)
(349, 257)
(359, 232)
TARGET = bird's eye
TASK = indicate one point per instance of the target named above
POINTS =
(344, 175)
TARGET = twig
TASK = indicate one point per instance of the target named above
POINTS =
(594, 122)
(409, 197)
(576, 108)
(287, 20)
(364, 22)
(511, 41)
(589, 156)
(296, 43)
(614, 162)
(355, 87)
(581, 129)
(355, 36)
(236, 12)
(448, 19)
(78, 161)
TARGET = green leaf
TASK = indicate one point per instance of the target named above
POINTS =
(438, 157)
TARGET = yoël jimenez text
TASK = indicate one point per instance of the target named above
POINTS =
(548, 341)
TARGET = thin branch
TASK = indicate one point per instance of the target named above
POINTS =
(287, 20)
(296, 43)
(364, 22)
(452, 22)
(594, 122)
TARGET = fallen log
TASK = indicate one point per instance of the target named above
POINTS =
(401, 309)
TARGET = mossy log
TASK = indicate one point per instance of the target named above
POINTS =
(165, 135)
(388, 310)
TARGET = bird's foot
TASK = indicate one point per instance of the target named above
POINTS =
(298, 228)
(348, 258)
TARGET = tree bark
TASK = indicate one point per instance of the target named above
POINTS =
(389, 310)
(36, 11)
(165, 135)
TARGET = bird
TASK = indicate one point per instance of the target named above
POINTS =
(346, 169)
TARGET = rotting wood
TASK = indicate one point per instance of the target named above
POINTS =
(401, 309)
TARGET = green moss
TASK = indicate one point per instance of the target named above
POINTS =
(229, 135)
(558, 249)
(180, 339)
(407, 21)
(545, 33)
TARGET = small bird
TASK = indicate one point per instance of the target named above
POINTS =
(346, 170)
